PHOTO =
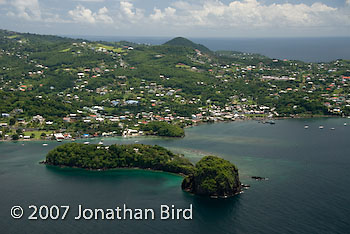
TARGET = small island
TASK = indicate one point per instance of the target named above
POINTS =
(214, 177)
(211, 176)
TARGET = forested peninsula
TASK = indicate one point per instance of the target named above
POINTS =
(211, 176)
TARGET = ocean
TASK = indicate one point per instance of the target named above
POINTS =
(305, 49)
(307, 191)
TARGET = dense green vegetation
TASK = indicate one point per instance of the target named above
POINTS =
(118, 156)
(213, 176)
(163, 129)
(56, 84)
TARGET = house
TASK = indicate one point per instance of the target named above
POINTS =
(132, 102)
(5, 115)
(59, 136)
(115, 103)
(38, 118)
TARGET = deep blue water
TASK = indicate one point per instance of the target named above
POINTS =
(307, 191)
(304, 49)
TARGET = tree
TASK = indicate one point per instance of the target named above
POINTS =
(15, 137)
(12, 121)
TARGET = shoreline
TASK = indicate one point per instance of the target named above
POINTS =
(112, 169)
(189, 126)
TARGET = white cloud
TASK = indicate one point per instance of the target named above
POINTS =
(2, 2)
(347, 2)
(158, 14)
(102, 16)
(255, 14)
(128, 10)
(27, 9)
(85, 15)
(236, 14)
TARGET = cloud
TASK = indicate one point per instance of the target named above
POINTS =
(252, 13)
(158, 14)
(85, 15)
(236, 14)
(130, 12)
(27, 9)
(2, 2)
(347, 2)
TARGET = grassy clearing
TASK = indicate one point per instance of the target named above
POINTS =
(114, 49)
(65, 50)
(183, 66)
(13, 36)
(36, 133)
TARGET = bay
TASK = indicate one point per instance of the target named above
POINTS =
(307, 190)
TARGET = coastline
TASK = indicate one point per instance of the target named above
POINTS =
(188, 126)
(112, 169)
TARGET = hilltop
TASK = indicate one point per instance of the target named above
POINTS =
(181, 41)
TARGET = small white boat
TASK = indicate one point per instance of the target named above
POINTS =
(332, 128)
(100, 143)
(44, 144)
(306, 126)
(321, 127)
(86, 143)
(345, 124)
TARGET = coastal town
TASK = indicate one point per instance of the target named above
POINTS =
(79, 89)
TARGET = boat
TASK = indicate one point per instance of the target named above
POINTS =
(306, 126)
(320, 127)
(100, 143)
(86, 143)
(332, 128)
(345, 124)
(44, 144)
(59, 140)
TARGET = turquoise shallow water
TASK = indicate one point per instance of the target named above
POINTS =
(307, 192)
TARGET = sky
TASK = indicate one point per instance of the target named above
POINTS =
(169, 18)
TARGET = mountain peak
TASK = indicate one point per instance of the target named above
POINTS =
(181, 41)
